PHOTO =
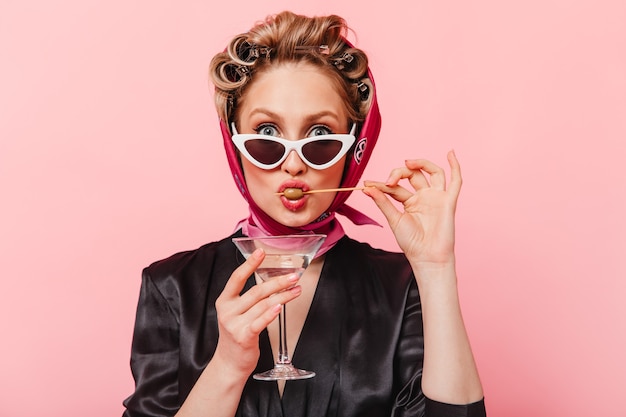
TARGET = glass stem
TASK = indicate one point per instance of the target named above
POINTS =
(283, 354)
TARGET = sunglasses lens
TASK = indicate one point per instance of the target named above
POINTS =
(265, 151)
(321, 151)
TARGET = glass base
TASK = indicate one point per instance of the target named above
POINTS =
(284, 371)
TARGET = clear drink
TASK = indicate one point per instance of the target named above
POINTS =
(274, 266)
(284, 255)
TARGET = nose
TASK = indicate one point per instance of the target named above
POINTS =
(293, 164)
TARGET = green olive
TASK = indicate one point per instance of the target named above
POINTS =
(293, 193)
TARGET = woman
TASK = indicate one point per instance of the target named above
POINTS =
(383, 331)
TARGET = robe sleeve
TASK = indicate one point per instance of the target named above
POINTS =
(409, 363)
(435, 408)
(154, 355)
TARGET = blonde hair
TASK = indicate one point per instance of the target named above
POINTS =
(291, 38)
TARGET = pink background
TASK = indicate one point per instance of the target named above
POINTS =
(110, 158)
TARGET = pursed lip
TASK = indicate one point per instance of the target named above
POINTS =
(293, 184)
(293, 205)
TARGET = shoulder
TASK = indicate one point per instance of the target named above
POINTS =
(373, 257)
(373, 262)
(200, 264)
(368, 276)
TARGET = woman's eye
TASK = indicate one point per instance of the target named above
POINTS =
(267, 130)
(319, 131)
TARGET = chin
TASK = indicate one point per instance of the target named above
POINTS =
(295, 219)
(293, 222)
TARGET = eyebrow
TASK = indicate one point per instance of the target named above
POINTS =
(309, 118)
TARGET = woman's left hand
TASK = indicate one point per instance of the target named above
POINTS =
(424, 229)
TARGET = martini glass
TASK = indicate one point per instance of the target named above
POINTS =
(284, 255)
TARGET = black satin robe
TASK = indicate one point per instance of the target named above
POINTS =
(363, 337)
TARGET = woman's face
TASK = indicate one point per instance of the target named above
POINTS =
(292, 101)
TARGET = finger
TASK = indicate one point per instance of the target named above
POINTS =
(267, 289)
(240, 275)
(456, 179)
(263, 313)
(281, 297)
(386, 207)
(268, 316)
(397, 192)
(238, 313)
(437, 174)
(416, 177)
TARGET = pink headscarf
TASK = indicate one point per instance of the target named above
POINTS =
(260, 223)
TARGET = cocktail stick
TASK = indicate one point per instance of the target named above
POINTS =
(296, 193)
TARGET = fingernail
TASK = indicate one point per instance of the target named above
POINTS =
(296, 290)
(294, 278)
(257, 253)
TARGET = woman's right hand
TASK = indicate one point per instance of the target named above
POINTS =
(241, 318)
